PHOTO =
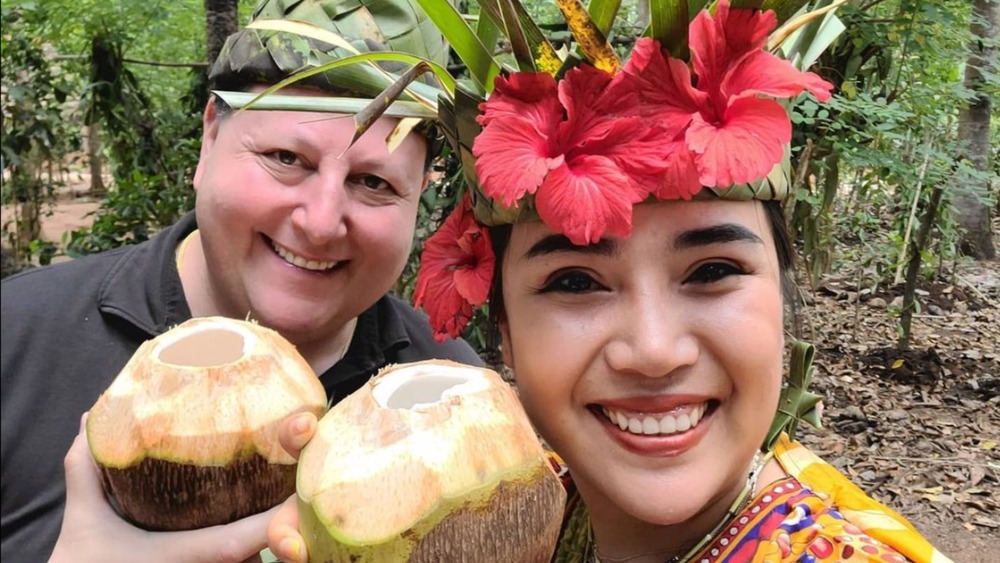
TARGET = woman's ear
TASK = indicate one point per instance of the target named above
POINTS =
(505, 344)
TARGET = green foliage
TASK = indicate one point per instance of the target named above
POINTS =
(892, 130)
(36, 131)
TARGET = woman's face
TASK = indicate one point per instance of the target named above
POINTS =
(652, 364)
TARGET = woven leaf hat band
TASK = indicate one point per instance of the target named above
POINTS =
(269, 54)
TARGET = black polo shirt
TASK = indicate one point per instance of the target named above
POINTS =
(67, 330)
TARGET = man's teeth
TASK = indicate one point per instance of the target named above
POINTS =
(657, 424)
(301, 262)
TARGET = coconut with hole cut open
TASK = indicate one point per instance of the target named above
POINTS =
(186, 436)
(428, 462)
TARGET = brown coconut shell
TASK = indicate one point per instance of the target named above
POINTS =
(461, 476)
(186, 436)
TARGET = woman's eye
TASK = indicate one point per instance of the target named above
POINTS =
(714, 271)
(573, 282)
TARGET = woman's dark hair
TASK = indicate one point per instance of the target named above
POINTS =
(500, 237)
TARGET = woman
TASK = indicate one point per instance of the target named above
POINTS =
(627, 229)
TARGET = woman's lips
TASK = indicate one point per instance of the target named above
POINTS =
(656, 432)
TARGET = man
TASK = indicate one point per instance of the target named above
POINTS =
(291, 228)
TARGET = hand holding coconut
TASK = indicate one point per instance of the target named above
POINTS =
(432, 461)
(187, 435)
(93, 531)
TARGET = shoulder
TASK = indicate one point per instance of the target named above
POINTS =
(422, 345)
(49, 287)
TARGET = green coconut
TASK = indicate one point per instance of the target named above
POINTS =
(428, 462)
(186, 436)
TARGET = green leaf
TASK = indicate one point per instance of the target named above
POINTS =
(603, 13)
(543, 53)
(488, 32)
(375, 109)
(589, 38)
(796, 402)
(422, 93)
(464, 41)
(328, 104)
(668, 24)
(518, 41)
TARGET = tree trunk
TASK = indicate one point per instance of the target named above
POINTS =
(95, 156)
(913, 267)
(974, 129)
(221, 21)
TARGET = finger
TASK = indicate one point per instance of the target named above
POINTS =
(283, 534)
(230, 543)
(83, 479)
(296, 431)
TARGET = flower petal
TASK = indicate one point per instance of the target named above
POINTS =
(592, 97)
(764, 73)
(586, 198)
(456, 268)
(473, 281)
(680, 179)
(720, 42)
(664, 85)
(745, 147)
(512, 158)
(528, 95)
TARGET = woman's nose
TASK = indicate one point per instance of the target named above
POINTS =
(653, 339)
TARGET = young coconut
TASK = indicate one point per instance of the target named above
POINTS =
(431, 461)
(186, 436)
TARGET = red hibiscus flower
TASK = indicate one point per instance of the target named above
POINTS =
(571, 145)
(726, 118)
(456, 268)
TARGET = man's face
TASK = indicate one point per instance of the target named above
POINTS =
(297, 233)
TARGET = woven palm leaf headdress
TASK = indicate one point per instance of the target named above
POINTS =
(576, 136)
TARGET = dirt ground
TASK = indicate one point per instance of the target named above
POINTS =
(919, 431)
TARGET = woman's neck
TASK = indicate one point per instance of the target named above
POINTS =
(619, 537)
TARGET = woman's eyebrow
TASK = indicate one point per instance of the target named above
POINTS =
(726, 232)
(555, 243)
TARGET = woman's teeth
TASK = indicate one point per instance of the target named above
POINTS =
(301, 262)
(657, 424)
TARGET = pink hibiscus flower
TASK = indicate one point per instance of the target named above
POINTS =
(456, 269)
(571, 145)
(726, 119)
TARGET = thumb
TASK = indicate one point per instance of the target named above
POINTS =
(295, 431)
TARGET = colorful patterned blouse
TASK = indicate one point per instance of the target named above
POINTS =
(815, 515)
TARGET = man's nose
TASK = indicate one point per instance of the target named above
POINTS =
(654, 336)
(322, 212)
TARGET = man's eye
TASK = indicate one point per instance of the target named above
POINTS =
(288, 158)
(572, 282)
(373, 183)
(714, 271)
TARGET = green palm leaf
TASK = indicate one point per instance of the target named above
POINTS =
(668, 24)
(603, 13)
(513, 18)
(477, 58)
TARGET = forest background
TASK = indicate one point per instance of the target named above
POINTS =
(895, 209)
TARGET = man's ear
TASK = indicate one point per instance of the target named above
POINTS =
(209, 133)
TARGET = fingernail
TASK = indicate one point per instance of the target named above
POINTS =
(301, 425)
(291, 548)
